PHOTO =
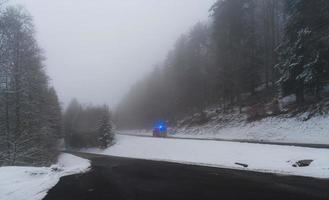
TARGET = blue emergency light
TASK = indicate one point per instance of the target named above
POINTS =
(161, 125)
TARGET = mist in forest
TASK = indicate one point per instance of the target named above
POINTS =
(132, 64)
(96, 50)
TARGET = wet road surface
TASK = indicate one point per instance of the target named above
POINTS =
(134, 179)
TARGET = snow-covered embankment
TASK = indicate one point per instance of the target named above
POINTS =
(271, 129)
(33, 183)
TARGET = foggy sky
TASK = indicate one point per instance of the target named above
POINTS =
(97, 49)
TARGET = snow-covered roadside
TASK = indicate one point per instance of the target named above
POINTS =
(33, 183)
(271, 129)
(258, 157)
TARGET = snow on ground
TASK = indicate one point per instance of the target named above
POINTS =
(289, 130)
(259, 157)
(271, 129)
(33, 183)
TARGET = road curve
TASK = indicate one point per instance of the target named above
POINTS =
(134, 179)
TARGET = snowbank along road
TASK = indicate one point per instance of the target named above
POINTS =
(234, 155)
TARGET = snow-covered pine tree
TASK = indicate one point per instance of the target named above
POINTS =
(304, 52)
(106, 132)
(293, 65)
(29, 136)
(52, 120)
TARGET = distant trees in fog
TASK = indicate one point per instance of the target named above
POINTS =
(87, 126)
(30, 114)
(251, 52)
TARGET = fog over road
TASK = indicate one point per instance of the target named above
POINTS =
(122, 178)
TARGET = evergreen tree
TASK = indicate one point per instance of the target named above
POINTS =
(237, 47)
(70, 118)
(304, 52)
(106, 134)
(28, 125)
(87, 126)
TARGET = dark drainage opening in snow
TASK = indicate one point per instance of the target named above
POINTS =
(302, 163)
(241, 164)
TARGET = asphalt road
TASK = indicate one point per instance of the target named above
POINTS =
(308, 145)
(129, 179)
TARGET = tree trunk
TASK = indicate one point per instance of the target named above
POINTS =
(300, 98)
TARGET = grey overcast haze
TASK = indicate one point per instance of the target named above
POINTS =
(97, 49)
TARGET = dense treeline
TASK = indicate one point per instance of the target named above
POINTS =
(304, 60)
(87, 126)
(30, 114)
(251, 52)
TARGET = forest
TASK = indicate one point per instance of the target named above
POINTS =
(87, 126)
(30, 113)
(245, 58)
(171, 99)
(32, 124)
(249, 54)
